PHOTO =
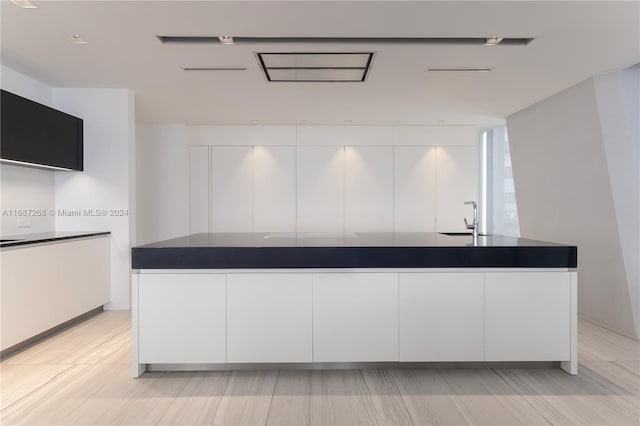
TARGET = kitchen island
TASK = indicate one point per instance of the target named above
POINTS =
(213, 301)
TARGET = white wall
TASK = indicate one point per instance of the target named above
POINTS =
(162, 181)
(27, 87)
(618, 99)
(25, 188)
(107, 182)
(577, 182)
(20, 187)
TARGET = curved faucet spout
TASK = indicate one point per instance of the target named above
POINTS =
(475, 209)
(473, 226)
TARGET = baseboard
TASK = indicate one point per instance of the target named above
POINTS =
(19, 347)
(613, 330)
(351, 365)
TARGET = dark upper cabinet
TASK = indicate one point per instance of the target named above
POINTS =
(36, 134)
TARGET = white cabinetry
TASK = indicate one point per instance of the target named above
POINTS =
(442, 317)
(456, 176)
(369, 189)
(198, 189)
(414, 188)
(274, 194)
(528, 316)
(331, 178)
(320, 189)
(45, 285)
(269, 318)
(231, 189)
(355, 317)
(302, 316)
(182, 318)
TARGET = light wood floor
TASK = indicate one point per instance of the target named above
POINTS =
(82, 377)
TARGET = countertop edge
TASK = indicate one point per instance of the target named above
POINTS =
(38, 240)
(353, 257)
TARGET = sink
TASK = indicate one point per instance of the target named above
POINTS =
(460, 234)
(299, 235)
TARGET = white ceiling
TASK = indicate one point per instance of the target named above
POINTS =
(573, 41)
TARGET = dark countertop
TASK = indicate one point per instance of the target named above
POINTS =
(26, 239)
(366, 250)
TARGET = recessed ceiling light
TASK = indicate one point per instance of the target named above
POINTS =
(25, 4)
(492, 41)
(76, 38)
(226, 39)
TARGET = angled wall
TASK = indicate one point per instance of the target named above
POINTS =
(575, 165)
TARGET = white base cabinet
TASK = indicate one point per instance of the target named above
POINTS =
(182, 318)
(269, 318)
(528, 316)
(442, 317)
(355, 317)
(304, 316)
(45, 285)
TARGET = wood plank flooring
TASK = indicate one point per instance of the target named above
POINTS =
(82, 377)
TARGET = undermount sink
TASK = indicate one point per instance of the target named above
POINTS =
(460, 234)
(312, 235)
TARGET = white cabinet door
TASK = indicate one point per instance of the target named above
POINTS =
(320, 189)
(269, 318)
(527, 316)
(181, 318)
(457, 175)
(441, 317)
(274, 195)
(231, 189)
(415, 188)
(43, 286)
(369, 189)
(355, 317)
(198, 189)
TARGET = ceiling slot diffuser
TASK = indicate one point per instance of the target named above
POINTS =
(324, 67)
(214, 69)
(459, 69)
(464, 41)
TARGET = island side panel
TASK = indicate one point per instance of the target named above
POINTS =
(571, 366)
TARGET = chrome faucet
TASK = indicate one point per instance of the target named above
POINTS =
(473, 226)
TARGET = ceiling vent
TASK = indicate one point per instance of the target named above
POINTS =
(324, 67)
(465, 41)
(214, 68)
(459, 69)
